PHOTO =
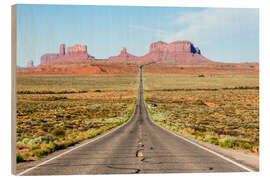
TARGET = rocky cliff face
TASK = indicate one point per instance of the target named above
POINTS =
(75, 53)
(62, 50)
(174, 47)
(181, 51)
(123, 56)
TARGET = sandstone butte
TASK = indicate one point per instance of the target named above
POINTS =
(77, 53)
(179, 51)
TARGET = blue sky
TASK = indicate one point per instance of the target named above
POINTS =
(224, 35)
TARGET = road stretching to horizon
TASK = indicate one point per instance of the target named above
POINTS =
(139, 146)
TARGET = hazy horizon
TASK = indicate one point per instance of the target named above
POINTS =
(222, 34)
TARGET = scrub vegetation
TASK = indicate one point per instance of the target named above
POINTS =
(221, 110)
(55, 112)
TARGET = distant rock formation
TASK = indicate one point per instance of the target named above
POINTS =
(180, 51)
(48, 58)
(77, 53)
(62, 50)
(30, 64)
(123, 56)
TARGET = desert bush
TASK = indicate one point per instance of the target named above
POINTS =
(25, 140)
(229, 142)
(48, 139)
(40, 153)
(35, 147)
(246, 146)
(196, 134)
(58, 132)
(212, 140)
(19, 158)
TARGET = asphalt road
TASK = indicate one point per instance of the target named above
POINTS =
(140, 146)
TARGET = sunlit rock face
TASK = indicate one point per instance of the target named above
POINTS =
(182, 51)
(75, 53)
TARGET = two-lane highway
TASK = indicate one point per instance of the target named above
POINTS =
(139, 146)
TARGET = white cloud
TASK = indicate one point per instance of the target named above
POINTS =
(215, 24)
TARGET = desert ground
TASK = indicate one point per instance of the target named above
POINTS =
(57, 111)
(218, 104)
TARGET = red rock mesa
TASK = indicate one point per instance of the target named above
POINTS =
(180, 51)
(76, 53)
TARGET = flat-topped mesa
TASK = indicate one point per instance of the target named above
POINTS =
(77, 53)
(123, 56)
(77, 50)
(180, 51)
(174, 47)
